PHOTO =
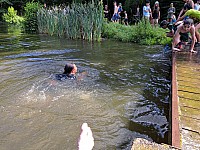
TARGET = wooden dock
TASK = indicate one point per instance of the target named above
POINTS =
(186, 100)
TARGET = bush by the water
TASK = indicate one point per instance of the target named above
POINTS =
(142, 33)
(31, 9)
(11, 17)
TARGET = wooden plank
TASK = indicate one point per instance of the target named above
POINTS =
(188, 79)
(190, 103)
(193, 90)
(188, 95)
(191, 113)
(175, 114)
(189, 84)
(188, 70)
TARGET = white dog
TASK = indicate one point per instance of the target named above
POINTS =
(86, 140)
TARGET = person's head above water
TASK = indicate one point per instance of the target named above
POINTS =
(70, 69)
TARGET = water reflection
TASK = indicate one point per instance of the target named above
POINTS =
(124, 95)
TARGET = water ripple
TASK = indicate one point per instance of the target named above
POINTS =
(41, 53)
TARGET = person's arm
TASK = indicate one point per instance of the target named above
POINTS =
(180, 13)
(192, 4)
(150, 13)
(176, 39)
(168, 10)
(145, 9)
(178, 23)
(180, 18)
(192, 32)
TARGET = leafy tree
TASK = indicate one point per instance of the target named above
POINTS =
(12, 17)
(2, 8)
(31, 9)
(5, 2)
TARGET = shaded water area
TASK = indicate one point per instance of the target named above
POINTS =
(123, 93)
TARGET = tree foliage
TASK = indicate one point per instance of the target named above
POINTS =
(12, 17)
(31, 9)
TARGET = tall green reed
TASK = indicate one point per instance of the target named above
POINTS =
(78, 21)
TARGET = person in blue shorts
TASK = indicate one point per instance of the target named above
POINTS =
(115, 17)
(120, 10)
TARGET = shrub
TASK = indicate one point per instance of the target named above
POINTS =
(142, 33)
(12, 17)
(31, 9)
(118, 31)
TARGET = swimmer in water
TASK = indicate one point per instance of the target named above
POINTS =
(70, 71)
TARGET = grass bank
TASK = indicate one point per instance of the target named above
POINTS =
(142, 33)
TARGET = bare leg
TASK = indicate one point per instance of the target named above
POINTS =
(197, 32)
(176, 40)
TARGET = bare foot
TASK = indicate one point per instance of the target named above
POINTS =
(176, 50)
(193, 51)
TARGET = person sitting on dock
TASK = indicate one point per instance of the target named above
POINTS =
(70, 71)
(182, 31)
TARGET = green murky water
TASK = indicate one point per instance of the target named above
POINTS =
(123, 94)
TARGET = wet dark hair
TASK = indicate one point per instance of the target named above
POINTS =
(163, 23)
(187, 7)
(188, 21)
(68, 68)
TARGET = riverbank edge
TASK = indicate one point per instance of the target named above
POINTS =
(143, 144)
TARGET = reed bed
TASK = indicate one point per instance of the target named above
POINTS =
(78, 21)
